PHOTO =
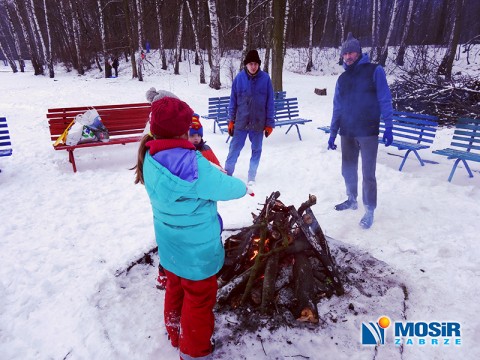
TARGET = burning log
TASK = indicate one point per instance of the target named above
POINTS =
(259, 258)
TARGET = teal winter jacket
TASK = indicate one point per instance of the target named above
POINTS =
(184, 189)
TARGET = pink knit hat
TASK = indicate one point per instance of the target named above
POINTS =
(170, 117)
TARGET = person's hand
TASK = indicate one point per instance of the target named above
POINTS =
(268, 131)
(388, 136)
(331, 143)
(231, 126)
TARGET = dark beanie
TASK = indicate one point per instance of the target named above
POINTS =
(196, 127)
(252, 56)
(351, 45)
(170, 117)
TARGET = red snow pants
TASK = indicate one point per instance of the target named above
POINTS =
(188, 314)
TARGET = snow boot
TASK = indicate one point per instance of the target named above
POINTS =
(348, 204)
(367, 220)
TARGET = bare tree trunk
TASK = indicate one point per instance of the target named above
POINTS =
(131, 46)
(197, 44)
(178, 48)
(7, 51)
(76, 35)
(384, 52)
(406, 28)
(215, 68)
(374, 51)
(161, 48)
(310, 38)
(245, 32)
(102, 36)
(279, 11)
(49, 55)
(141, 31)
(16, 41)
(36, 29)
(268, 36)
(446, 65)
(37, 68)
(325, 22)
(286, 6)
(341, 20)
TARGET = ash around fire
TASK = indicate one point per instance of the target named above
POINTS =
(283, 272)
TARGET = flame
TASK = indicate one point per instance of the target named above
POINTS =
(255, 253)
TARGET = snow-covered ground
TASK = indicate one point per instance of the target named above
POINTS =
(65, 235)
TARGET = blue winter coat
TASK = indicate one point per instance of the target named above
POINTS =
(251, 101)
(184, 189)
(357, 107)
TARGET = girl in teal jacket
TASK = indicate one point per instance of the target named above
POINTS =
(184, 188)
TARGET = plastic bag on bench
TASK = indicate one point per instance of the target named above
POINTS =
(88, 127)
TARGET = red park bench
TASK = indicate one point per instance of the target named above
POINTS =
(125, 124)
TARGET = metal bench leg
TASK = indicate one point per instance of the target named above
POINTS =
(228, 138)
(71, 158)
(288, 129)
(467, 167)
(453, 169)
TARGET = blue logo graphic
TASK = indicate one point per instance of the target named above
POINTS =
(372, 334)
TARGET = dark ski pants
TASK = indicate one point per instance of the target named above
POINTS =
(188, 314)
(367, 147)
(236, 145)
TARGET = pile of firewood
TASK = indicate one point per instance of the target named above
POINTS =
(281, 264)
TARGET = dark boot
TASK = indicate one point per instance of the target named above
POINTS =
(367, 220)
(348, 204)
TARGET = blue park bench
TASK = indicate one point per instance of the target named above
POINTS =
(411, 132)
(465, 145)
(218, 111)
(286, 114)
(5, 144)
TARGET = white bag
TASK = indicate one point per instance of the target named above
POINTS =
(88, 127)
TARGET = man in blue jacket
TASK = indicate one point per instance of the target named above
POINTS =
(251, 113)
(361, 98)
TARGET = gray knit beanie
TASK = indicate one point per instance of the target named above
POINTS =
(153, 95)
(351, 45)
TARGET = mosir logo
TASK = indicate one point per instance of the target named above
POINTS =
(412, 333)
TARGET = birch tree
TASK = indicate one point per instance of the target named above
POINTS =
(375, 51)
(245, 32)
(446, 65)
(215, 46)
(131, 47)
(73, 7)
(384, 51)
(49, 56)
(7, 51)
(161, 48)
(16, 41)
(341, 20)
(37, 68)
(37, 34)
(310, 37)
(178, 48)
(102, 35)
(285, 5)
(197, 44)
(141, 31)
(325, 22)
(406, 28)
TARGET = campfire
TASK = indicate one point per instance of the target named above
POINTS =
(279, 266)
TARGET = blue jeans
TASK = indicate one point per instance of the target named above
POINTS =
(367, 147)
(236, 145)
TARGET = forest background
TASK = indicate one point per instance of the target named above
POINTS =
(82, 34)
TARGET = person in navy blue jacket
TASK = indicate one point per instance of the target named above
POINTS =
(251, 113)
(183, 188)
(361, 98)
